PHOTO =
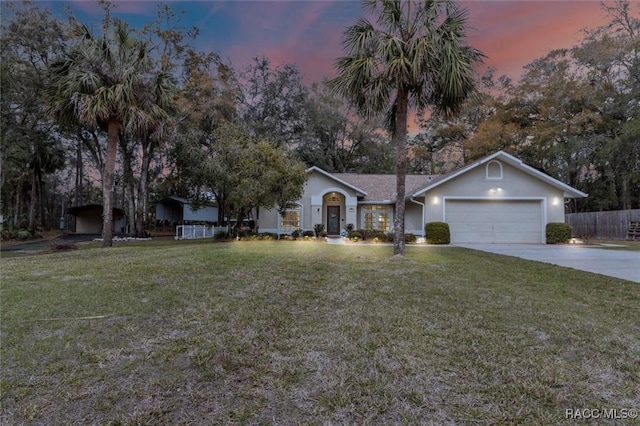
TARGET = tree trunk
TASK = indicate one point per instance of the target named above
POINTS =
(17, 211)
(32, 206)
(400, 143)
(143, 188)
(78, 198)
(42, 199)
(128, 185)
(113, 131)
(130, 191)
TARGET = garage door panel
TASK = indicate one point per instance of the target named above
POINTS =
(504, 221)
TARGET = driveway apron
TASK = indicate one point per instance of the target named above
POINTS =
(623, 264)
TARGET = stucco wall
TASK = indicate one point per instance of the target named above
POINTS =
(314, 207)
(413, 218)
(514, 184)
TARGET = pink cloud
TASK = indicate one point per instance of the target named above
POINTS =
(513, 34)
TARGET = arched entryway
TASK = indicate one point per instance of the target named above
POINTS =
(334, 208)
(334, 212)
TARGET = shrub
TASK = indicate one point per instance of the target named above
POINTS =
(309, 233)
(558, 233)
(410, 238)
(23, 234)
(437, 233)
(248, 235)
(295, 234)
(221, 235)
(365, 234)
(268, 236)
(379, 237)
(349, 227)
(323, 234)
(6, 235)
(318, 228)
(355, 236)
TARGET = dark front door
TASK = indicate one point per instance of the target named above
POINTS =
(333, 220)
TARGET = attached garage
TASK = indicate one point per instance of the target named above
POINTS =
(495, 221)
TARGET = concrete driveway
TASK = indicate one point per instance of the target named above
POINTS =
(623, 264)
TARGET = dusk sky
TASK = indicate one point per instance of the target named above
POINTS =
(308, 33)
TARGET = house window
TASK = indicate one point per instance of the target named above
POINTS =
(377, 217)
(494, 170)
(290, 220)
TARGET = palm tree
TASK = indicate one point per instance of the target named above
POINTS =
(101, 83)
(46, 156)
(416, 56)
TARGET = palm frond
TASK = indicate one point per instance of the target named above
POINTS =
(417, 45)
(359, 37)
(391, 13)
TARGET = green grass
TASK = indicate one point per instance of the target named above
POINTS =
(310, 333)
(617, 244)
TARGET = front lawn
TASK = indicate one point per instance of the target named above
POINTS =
(310, 333)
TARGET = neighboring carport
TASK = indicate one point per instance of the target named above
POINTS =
(87, 219)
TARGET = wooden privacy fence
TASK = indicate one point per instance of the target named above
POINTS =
(602, 225)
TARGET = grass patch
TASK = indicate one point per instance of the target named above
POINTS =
(292, 332)
(618, 245)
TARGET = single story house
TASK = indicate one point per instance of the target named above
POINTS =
(179, 210)
(87, 219)
(498, 199)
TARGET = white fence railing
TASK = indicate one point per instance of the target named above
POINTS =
(190, 232)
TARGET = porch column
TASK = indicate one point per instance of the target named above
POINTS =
(351, 205)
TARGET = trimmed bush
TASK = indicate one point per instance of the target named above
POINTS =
(308, 233)
(365, 234)
(437, 233)
(558, 233)
(295, 234)
(355, 236)
(23, 234)
(409, 238)
(318, 228)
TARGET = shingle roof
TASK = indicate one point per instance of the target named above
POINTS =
(382, 188)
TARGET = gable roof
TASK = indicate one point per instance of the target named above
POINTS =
(382, 188)
(360, 192)
(375, 188)
(569, 192)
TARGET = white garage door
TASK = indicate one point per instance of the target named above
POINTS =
(484, 221)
